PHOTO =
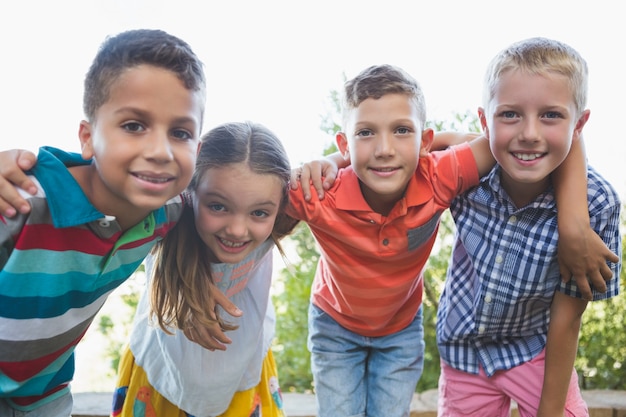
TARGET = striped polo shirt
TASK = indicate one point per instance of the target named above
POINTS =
(59, 264)
(369, 276)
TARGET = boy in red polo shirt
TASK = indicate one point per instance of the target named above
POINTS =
(375, 228)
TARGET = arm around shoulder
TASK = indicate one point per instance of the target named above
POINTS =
(582, 253)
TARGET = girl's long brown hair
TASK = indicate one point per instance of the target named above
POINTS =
(181, 276)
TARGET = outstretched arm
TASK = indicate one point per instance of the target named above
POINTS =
(13, 163)
(582, 254)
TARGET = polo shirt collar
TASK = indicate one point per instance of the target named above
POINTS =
(348, 195)
(493, 182)
(67, 202)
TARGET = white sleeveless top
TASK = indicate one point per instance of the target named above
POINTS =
(195, 379)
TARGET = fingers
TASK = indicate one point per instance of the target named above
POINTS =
(12, 166)
(594, 278)
(566, 274)
(610, 257)
(294, 180)
(317, 173)
(211, 337)
(221, 300)
(300, 177)
(312, 174)
(25, 159)
(583, 286)
(587, 263)
(10, 200)
(597, 281)
(329, 179)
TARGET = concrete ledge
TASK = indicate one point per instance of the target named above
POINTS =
(602, 403)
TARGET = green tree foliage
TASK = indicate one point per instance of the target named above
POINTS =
(290, 350)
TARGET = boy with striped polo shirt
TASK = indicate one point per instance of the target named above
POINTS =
(375, 224)
(96, 215)
(507, 324)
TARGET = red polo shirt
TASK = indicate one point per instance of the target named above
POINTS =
(369, 277)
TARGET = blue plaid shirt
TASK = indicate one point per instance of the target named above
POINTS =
(495, 307)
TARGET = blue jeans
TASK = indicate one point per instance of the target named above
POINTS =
(358, 376)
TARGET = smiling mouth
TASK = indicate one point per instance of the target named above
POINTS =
(154, 180)
(527, 156)
(231, 244)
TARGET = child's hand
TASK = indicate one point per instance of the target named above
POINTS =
(212, 337)
(13, 163)
(583, 257)
(321, 173)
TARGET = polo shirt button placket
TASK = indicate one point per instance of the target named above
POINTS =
(106, 221)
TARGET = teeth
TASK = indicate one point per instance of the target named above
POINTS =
(384, 169)
(231, 244)
(527, 156)
(152, 179)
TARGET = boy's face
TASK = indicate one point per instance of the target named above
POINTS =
(531, 122)
(144, 142)
(384, 140)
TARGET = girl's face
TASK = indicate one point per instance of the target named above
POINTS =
(235, 210)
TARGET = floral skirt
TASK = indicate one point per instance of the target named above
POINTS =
(135, 397)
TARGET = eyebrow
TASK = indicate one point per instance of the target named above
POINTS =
(218, 195)
(146, 115)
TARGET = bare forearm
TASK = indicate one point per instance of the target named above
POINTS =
(561, 350)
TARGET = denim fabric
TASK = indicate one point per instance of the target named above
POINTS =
(358, 376)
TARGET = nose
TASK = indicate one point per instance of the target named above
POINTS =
(159, 147)
(530, 132)
(237, 227)
(384, 146)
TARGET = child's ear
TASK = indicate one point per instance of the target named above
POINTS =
(85, 137)
(483, 121)
(582, 120)
(342, 145)
(428, 136)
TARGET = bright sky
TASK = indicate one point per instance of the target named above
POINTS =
(276, 62)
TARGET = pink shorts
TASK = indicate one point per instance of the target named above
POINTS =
(462, 394)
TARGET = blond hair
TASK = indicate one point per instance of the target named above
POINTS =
(540, 56)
